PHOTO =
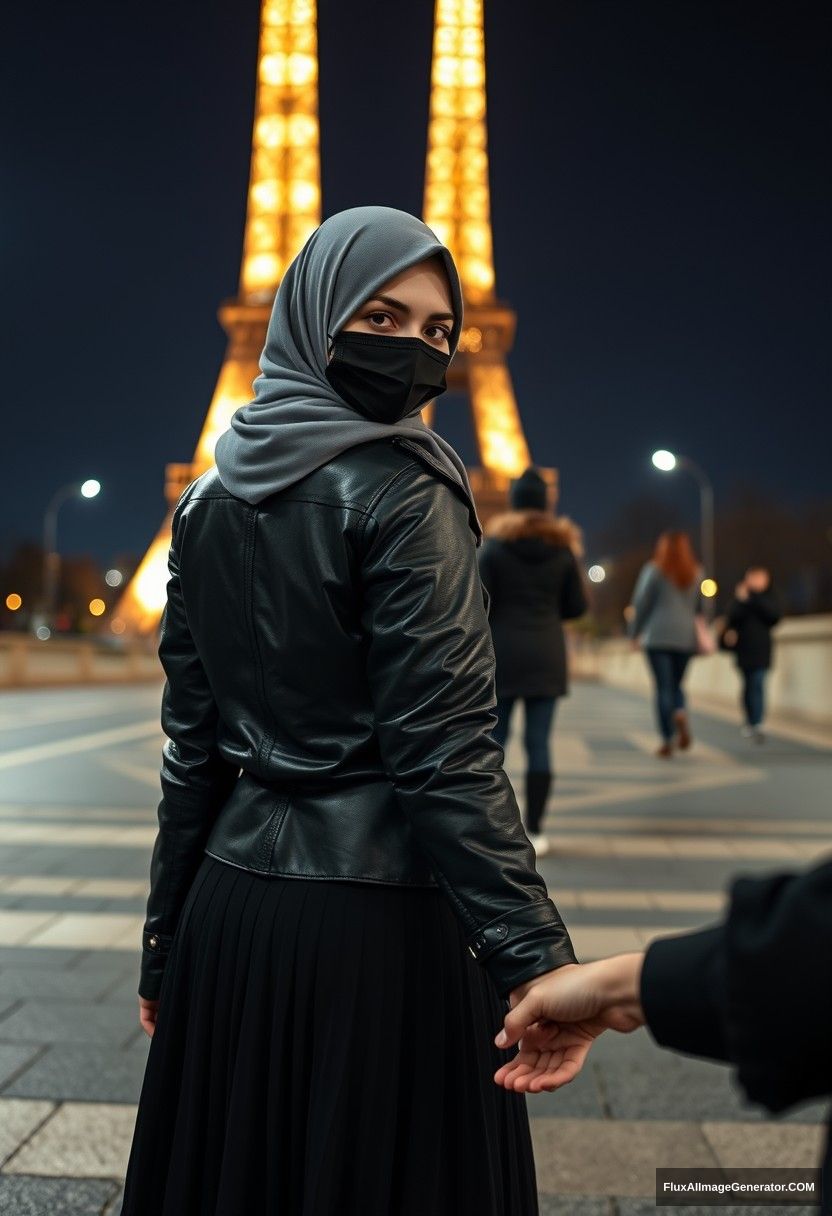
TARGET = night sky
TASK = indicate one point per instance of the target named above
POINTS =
(661, 212)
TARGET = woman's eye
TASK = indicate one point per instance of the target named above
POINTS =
(438, 333)
(378, 318)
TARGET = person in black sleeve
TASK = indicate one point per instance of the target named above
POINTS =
(751, 616)
(754, 991)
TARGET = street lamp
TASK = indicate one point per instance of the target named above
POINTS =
(666, 462)
(51, 558)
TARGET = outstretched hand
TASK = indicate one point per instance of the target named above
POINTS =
(557, 1017)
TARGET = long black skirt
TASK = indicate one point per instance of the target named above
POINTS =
(325, 1049)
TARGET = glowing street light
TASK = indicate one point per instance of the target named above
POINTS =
(664, 460)
(667, 462)
(51, 557)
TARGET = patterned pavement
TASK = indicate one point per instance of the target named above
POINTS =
(641, 847)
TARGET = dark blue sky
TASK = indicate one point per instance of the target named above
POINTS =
(661, 203)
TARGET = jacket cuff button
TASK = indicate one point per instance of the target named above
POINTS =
(153, 942)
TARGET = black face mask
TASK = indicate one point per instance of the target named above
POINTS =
(385, 378)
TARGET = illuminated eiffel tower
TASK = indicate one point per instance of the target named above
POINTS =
(457, 208)
(284, 208)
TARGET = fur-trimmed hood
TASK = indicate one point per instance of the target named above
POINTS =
(558, 531)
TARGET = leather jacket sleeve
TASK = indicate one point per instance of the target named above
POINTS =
(195, 778)
(430, 666)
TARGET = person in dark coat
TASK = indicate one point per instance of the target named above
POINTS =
(754, 991)
(751, 616)
(529, 569)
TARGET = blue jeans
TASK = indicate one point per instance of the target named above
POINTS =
(539, 715)
(668, 672)
(753, 694)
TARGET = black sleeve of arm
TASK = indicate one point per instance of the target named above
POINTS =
(430, 666)
(573, 600)
(683, 992)
(195, 778)
(779, 985)
(765, 606)
(756, 991)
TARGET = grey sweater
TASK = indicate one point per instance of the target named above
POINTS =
(663, 614)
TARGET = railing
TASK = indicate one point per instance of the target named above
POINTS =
(800, 684)
(28, 662)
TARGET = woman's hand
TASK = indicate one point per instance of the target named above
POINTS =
(557, 1017)
(148, 1011)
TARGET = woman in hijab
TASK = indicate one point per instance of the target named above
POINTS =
(342, 898)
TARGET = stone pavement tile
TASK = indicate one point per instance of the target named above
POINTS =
(81, 1140)
(68, 1022)
(108, 960)
(82, 1072)
(126, 988)
(596, 941)
(38, 884)
(672, 921)
(16, 928)
(33, 956)
(599, 1156)
(52, 1196)
(55, 903)
(97, 930)
(580, 1099)
(18, 1119)
(54, 982)
(665, 1086)
(114, 888)
(700, 901)
(6, 1003)
(13, 1057)
(776, 1145)
(615, 898)
(569, 1205)
(640, 1080)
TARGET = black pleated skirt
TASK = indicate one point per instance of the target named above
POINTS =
(325, 1048)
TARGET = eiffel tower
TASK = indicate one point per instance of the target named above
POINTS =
(457, 207)
(284, 208)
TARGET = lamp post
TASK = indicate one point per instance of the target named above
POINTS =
(667, 462)
(51, 557)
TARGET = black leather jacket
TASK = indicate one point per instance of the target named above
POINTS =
(332, 643)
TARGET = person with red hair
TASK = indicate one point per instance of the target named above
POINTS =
(662, 615)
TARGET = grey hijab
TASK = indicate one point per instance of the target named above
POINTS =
(297, 422)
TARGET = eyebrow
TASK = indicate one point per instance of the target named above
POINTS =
(392, 302)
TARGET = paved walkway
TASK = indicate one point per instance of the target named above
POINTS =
(642, 847)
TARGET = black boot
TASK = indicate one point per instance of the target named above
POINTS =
(538, 785)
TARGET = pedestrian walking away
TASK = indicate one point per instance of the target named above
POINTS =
(529, 568)
(342, 897)
(751, 616)
(662, 619)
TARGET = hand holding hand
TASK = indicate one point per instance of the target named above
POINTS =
(557, 1017)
